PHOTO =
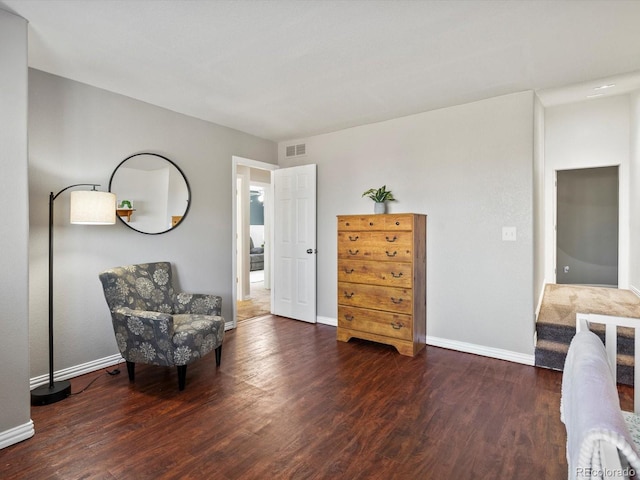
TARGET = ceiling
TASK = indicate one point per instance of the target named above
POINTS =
(287, 69)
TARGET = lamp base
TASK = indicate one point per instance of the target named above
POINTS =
(46, 394)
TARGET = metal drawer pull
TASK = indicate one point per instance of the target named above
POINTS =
(348, 318)
(353, 239)
(348, 295)
(371, 224)
(351, 252)
(349, 272)
(398, 223)
(391, 240)
(396, 275)
(397, 301)
(391, 254)
(397, 325)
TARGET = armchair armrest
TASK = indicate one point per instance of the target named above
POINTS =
(144, 336)
(142, 314)
(136, 321)
(198, 303)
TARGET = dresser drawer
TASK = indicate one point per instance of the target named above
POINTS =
(398, 222)
(393, 274)
(394, 325)
(375, 222)
(391, 299)
(382, 246)
(360, 222)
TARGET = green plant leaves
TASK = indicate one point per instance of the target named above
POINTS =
(379, 195)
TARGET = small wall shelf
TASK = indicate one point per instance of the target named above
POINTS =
(125, 212)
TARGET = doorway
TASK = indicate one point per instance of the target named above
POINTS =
(256, 301)
(587, 230)
(294, 228)
(252, 219)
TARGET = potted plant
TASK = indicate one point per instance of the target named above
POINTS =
(379, 196)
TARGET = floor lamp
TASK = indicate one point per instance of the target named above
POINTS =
(88, 207)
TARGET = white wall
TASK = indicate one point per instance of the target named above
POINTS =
(79, 133)
(539, 227)
(588, 134)
(470, 169)
(15, 423)
(634, 194)
(148, 192)
(243, 234)
(177, 196)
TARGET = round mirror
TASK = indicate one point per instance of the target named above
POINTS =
(152, 193)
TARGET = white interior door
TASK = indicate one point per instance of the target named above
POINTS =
(294, 249)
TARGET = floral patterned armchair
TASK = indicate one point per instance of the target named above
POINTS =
(156, 325)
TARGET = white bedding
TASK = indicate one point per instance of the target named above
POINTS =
(590, 409)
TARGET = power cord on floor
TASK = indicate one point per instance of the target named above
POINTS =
(114, 372)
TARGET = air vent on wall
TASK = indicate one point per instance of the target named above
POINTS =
(296, 150)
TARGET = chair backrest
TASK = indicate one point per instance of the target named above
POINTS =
(146, 286)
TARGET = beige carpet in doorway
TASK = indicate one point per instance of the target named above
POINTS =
(561, 303)
(258, 305)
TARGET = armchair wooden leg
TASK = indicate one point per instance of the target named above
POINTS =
(131, 370)
(218, 355)
(182, 376)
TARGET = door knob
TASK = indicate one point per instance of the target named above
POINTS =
(311, 250)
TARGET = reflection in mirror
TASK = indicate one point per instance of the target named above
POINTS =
(153, 195)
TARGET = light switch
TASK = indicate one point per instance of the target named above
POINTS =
(508, 234)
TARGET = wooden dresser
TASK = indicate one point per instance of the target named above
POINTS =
(382, 279)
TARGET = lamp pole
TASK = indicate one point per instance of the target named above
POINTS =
(53, 391)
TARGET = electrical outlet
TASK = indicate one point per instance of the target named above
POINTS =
(508, 234)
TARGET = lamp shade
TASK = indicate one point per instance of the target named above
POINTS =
(92, 207)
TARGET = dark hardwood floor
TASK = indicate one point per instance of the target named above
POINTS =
(290, 402)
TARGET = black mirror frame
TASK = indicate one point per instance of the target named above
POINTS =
(185, 181)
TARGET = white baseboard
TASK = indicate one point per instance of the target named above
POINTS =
(634, 290)
(496, 353)
(78, 370)
(327, 321)
(16, 434)
(491, 352)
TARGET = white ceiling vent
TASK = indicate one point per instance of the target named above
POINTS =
(296, 150)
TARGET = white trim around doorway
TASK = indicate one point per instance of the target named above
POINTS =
(247, 162)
